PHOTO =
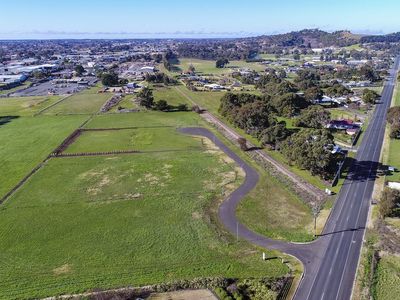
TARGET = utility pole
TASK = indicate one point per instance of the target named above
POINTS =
(237, 232)
(316, 210)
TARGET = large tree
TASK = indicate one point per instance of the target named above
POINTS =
(79, 70)
(368, 73)
(191, 69)
(389, 201)
(289, 104)
(109, 79)
(393, 118)
(370, 96)
(307, 78)
(285, 87)
(337, 90)
(249, 112)
(145, 97)
(230, 101)
(254, 117)
(161, 105)
(221, 63)
(393, 115)
(314, 116)
(274, 134)
(309, 149)
(313, 93)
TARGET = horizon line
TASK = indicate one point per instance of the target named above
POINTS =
(177, 35)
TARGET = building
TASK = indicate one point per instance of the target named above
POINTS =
(11, 81)
(147, 69)
(214, 87)
(323, 100)
(342, 124)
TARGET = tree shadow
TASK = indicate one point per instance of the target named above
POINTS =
(362, 171)
(344, 230)
(175, 65)
(176, 69)
(293, 130)
(254, 148)
(7, 119)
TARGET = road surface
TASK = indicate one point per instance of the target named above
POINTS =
(330, 262)
(332, 274)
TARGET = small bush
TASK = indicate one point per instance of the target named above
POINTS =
(196, 109)
(222, 294)
(242, 143)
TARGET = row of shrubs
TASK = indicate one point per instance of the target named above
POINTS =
(263, 288)
(224, 288)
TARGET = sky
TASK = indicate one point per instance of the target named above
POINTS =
(48, 19)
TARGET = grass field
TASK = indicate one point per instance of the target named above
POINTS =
(85, 102)
(354, 47)
(26, 141)
(20, 87)
(169, 94)
(141, 139)
(207, 100)
(126, 103)
(388, 278)
(274, 196)
(337, 114)
(25, 106)
(104, 222)
(394, 159)
(145, 119)
(208, 66)
(396, 99)
(276, 213)
(268, 56)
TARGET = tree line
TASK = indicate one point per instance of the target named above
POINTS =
(393, 118)
(309, 148)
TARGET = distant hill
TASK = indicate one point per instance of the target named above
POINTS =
(388, 38)
(314, 38)
(318, 39)
(248, 48)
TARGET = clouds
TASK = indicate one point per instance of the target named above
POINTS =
(179, 18)
(125, 34)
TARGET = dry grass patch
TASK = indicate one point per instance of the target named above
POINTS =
(62, 270)
(185, 295)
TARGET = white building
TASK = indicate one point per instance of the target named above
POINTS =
(214, 87)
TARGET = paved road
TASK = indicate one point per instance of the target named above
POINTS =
(332, 276)
(331, 261)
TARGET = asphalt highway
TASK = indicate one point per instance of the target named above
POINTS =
(332, 274)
